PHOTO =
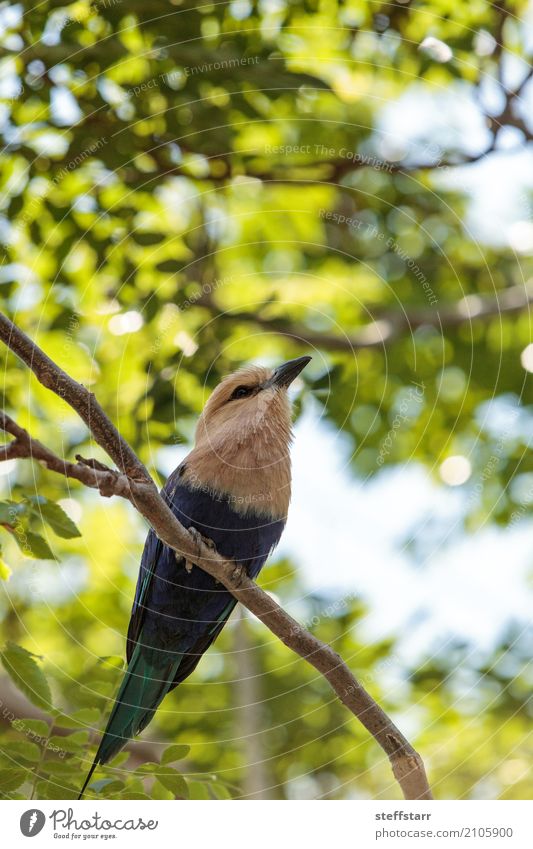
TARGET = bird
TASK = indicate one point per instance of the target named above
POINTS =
(233, 491)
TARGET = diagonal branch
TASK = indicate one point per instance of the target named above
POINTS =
(406, 763)
(77, 396)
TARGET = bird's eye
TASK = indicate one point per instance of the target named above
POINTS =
(241, 392)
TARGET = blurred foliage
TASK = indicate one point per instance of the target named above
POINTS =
(186, 188)
(470, 715)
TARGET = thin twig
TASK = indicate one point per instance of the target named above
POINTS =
(107, 481)
(75, 394)
(406, 763)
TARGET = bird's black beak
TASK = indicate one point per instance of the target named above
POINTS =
(286, 373)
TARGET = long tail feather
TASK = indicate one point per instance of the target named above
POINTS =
(89, 776)
(147, 680)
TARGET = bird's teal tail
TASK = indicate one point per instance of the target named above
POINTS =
(148, 678)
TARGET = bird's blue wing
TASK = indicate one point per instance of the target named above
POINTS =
(153, 549)
(152, 552)
(180, 610)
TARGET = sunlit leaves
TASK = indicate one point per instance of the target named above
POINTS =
(27, 674)
(193, 188)
(51, 756)
(5, 571)
(54, 516)
(173, 781)
(18, 517)
(86, 717)
(174, 753)
(25, 751)
(11, 779)
(33, 545)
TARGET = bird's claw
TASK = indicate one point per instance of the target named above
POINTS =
(198, 538)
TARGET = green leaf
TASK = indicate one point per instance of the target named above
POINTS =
(26, 674)
(119, 760)
(21, 750)
(5, 571)
(62, 768)
(81, 718)
(102, 689)
(134, 785)
(134, 794)
(111, 661)
(11, 779)
(31, 727)
(55, 516)
(174, 753)
(109, 785)
(10, 511)
(38, 547)
(71, 743)
(145, 238)
(220, 790)
(169, 266)
(198, 790)
(160, 792)
(33, 545)
(173, 781)
(148, 768)
(56, 790)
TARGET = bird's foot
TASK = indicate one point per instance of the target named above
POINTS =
(198, 539)
(182, 561)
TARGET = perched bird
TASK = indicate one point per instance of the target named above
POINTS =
(233, 489)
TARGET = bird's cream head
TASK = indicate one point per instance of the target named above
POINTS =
(243, 438)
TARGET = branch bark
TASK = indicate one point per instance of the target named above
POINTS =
(133, 483)
(77, 396)
(107, 481)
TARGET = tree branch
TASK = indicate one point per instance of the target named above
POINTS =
(406, 763)
(390, 325)
(328, 171)
(77, 396)
(332, 171)
(89, 472)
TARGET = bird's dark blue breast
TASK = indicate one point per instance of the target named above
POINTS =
(180, 610)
